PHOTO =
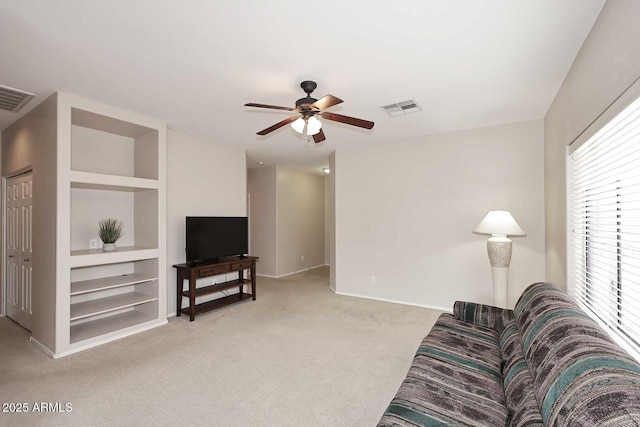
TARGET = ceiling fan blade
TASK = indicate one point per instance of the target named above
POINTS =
(274, 107)
(326, 102)
(319, 137)
(347, 120)
(278, 125)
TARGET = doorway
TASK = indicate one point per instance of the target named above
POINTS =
(18, 247)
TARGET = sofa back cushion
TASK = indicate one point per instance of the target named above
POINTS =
(517, 381)
(580, 376)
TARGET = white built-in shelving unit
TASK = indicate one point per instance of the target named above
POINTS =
(111, 164)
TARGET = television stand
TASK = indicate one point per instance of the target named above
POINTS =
(191, 272)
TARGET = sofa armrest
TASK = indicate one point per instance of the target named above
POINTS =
(482, 315)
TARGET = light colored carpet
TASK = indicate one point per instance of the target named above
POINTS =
(298, 356)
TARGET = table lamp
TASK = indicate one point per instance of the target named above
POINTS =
(499, 224)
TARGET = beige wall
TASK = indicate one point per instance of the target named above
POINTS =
(300, 220)
(203, 178)
(607, 64)
(261, 184)
(405, 212)
(288, 219)
(30, 143)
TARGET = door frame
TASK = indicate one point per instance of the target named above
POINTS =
(3, 269)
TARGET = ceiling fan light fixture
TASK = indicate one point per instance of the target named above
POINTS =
(313, 125)
(298, 125)
(306, 123)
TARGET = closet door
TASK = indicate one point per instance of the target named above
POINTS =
(18, 251)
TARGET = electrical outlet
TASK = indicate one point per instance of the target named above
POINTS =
(302, 258)
(93, 244)
(372, 279)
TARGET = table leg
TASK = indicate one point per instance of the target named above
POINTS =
(179, 296)
(192, 299)
(253, 280)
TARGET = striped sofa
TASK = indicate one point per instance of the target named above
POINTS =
(546, 363)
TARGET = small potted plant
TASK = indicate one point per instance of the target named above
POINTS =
(109, 230)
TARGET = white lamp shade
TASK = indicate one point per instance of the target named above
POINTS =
(499, 223)
(298, 125)
(313, 125)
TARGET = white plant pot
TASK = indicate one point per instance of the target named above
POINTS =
(109, 247)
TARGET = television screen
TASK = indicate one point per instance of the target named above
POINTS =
(212, 238)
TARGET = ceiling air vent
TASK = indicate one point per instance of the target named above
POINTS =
(13, 99)
(400, 108)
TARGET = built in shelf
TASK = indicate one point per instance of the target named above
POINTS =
(87, 286)
(117, 322)
(89, 257)
(99, 181)
(97, 306)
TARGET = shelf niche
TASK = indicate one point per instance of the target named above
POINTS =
(110, 146)
(137, 210)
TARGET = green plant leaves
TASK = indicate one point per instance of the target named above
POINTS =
(110, 230)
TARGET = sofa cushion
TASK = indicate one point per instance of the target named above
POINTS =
(482, 314)
(454, 379)
(581, 377)
(518, 383)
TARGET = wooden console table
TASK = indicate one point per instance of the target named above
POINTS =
(192, 272)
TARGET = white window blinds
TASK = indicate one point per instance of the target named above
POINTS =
(604, 213)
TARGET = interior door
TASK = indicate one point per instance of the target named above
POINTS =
(18, 251)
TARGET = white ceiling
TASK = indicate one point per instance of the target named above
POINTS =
(468, 63)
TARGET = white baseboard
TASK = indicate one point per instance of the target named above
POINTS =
(432, 307)
(94, 342)
(290, 274)
(43, 348)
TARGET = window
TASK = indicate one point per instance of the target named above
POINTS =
(604, 213)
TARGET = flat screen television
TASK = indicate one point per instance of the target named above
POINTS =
(212, 238)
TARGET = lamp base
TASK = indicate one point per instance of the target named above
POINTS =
(500, 276)
(499, 250)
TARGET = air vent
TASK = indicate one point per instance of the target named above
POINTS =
(400, 108)
(13, 99)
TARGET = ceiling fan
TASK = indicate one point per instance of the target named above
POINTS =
(305, 122)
